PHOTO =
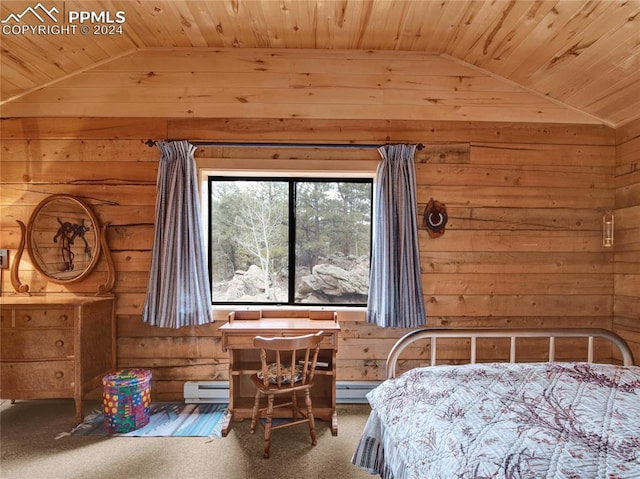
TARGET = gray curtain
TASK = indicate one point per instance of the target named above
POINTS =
(395, 291)
(178, 291)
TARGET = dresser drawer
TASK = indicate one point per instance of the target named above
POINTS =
(34, 344)
(20, 379)
(5, 317)
(44, 318)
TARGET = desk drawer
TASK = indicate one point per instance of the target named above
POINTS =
(24, 377)
(245, 341)
(44, 318)
(19, 344)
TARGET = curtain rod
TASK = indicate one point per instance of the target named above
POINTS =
(419, 146)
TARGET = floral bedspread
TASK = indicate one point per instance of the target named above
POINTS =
(527, 420)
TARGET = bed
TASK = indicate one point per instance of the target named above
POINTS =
(552, 419)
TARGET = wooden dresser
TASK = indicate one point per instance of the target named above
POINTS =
(55, 346)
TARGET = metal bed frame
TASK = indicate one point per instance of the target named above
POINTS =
(474, 333)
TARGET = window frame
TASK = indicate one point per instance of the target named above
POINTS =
(291, 179)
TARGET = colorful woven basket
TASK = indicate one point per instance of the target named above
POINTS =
(126, 399)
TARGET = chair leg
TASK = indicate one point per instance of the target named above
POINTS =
(255, 413)
(312, 424)
(294, 406)
(267, 426)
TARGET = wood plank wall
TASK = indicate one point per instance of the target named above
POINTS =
(627, 236)
(522, 247)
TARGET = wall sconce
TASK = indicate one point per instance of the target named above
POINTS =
(607, 229)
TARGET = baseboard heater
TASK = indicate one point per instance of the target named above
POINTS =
(206, 392)
(354, 392)
(347, 392)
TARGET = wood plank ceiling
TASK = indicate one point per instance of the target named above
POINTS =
(580, 56)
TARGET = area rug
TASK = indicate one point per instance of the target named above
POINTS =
(166, 419)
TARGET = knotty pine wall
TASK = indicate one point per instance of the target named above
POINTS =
(627, 236)
(522, 247)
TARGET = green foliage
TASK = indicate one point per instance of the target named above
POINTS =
(332, 218)
(249, 224)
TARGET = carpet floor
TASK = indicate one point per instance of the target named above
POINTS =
(29, 449)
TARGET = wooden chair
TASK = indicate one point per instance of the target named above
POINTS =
(288, 367)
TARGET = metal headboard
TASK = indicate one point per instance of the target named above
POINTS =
(513, 334)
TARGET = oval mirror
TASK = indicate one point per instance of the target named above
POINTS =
(63, 238)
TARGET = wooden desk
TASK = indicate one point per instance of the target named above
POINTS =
(244, 359)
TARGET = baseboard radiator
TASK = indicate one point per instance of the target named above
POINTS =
(347, 392)
(206, 392)
(354, 392)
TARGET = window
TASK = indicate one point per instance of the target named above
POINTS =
(289, 240)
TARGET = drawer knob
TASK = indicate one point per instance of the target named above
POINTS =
(64, 317)
(59, 374)
(27, 318)
(59, 343)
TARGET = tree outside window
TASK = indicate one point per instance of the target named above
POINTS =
(289, 240)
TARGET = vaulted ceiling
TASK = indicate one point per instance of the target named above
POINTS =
(580, 56)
